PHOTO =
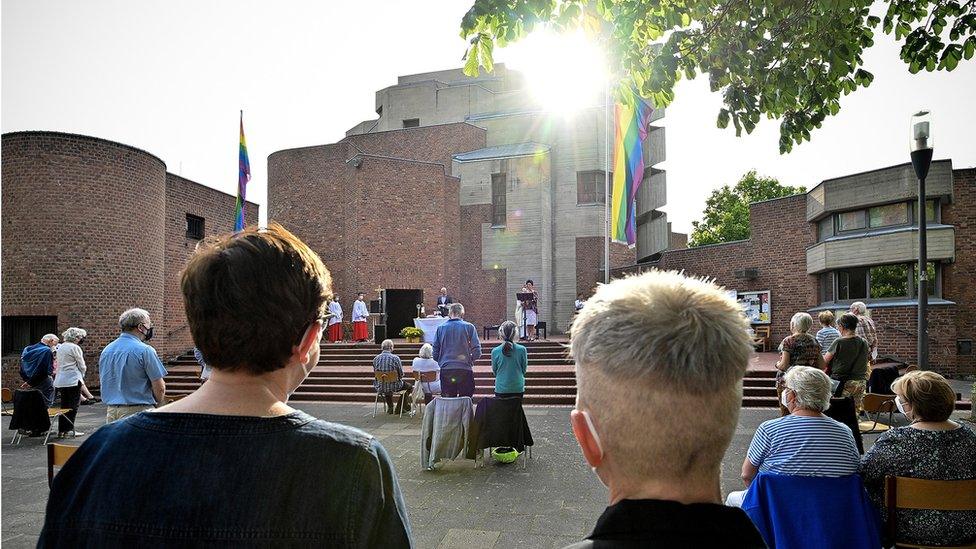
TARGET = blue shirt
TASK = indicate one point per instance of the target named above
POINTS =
(126, 369)
(509, 370)
(805, 446)
(36, 363)
(456, 345)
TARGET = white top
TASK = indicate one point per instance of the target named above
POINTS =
(71, 365)
(359, 311)
(336, 311)
(428, 365)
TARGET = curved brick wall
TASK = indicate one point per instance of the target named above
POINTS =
(83, 226)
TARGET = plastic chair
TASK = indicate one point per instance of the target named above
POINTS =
(877, 404)
(937, 495)
(391, 376)
(57, 456)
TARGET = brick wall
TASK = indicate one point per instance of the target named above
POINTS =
(959, 278)
(589, 261)
(83, 220)
(897, 329)
(482, 290)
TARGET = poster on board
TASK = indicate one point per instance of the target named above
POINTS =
(756, 306)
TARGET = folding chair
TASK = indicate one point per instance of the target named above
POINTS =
(8, 398)
(419, 379)
(761, 340)
(57, 456)
(877, 404)
(388, 377)
(936, 495)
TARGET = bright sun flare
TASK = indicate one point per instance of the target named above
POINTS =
(565, 72)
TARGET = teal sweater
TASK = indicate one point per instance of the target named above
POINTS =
(509, 370)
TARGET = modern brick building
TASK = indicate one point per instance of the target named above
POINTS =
(855, 238)
(465, 183)
(91, 228)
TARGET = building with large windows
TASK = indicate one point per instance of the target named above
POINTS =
(855, 238)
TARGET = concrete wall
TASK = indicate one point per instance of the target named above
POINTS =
(898, 246)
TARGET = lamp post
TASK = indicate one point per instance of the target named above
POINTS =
(921, 145)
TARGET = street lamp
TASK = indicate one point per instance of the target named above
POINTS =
(921, 144)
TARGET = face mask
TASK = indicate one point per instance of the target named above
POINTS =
(596, 438)
(149, 333)
(901, 408)
(784, 400)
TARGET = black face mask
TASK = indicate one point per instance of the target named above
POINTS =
(81, 342)
(149, 334)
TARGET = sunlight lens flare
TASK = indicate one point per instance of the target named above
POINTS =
(565, 72)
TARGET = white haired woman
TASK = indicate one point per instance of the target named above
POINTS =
(804, 443)
(425, 363)
(797, 349)
(70, 378)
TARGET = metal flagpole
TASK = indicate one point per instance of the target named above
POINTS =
(606, 180)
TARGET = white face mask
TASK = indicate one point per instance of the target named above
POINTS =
(900, 406)
(784, 400)
(596, 438)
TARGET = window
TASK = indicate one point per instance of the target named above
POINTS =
(21, 331)
(885, 216)
(498, 199)
(931, 212)
(852, 283)
(932, 279)
(825, 228)
(411, 123)
(851, 221)
(827, 287)
(194, 227)
(591, 187)
(889, 281)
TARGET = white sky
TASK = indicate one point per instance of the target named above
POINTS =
(169, 77)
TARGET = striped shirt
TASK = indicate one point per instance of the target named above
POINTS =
(826, 336)
(804, 446)
(387, 362)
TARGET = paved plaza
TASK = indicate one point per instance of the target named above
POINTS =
(552, 503)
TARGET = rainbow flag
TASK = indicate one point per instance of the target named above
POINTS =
(633, 118)
(243, 176)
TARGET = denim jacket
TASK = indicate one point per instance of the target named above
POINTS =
(186, 480)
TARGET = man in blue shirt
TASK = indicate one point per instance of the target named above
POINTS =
(456, 347)
(130, 371)
(37, 366)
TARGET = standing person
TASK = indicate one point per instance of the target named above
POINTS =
(456, 347)
(865, 327)
(335, 321)
(848, 358)
(386, 361)
(130, 370)
(37, 367)
(509, 361)
(70, 378)
(443, 300)
(531, 309)
(662, 460)
(578, 304)
(360, 331)
(797, 349)
(827, 333)
(205, 368)
(229, 464)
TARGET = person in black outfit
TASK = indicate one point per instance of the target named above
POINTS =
(679, 348)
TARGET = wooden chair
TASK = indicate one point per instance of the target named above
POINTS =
(419, 379)
(488, 329)
(388, 377)
(916, 493)
(761, 339)
(8, 398)
(877, 404)
(57, 456)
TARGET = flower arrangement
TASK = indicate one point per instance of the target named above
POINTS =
(411, 334)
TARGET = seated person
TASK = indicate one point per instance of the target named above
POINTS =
(386, 361)
(509, 362)
(656, 409)
(806, 442)
(232, 464)
(848, 358)
(425, 363)
(932, 447)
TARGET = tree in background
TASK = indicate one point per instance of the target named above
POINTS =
(726, 215)
(785, 59)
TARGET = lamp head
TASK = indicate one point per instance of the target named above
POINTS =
(920, 137)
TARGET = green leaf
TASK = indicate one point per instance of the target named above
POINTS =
(723, 119)
(970, 49)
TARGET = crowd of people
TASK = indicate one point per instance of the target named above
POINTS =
(659, 357)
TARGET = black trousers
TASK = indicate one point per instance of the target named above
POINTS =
(70, 399)
(404, 400)
(509, 395)
(457, 382)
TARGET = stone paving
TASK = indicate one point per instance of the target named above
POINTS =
(552, 503)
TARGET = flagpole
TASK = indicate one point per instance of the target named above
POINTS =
(606, 180)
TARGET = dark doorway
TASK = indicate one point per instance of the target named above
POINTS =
(401, 309)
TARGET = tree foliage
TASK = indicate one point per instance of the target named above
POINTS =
(726, 215)
(789, 60)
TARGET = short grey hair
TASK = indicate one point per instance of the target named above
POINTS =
(455, 309)
(49, 337)
(387, 345)
(675, 344)
(131, 319)
(74, 334)
(801, 323)
(859, 308)
(811, 387)
(426, 351)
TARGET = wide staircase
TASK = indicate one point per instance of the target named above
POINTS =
(345, 374)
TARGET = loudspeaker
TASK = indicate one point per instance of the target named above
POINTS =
(379, 333)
